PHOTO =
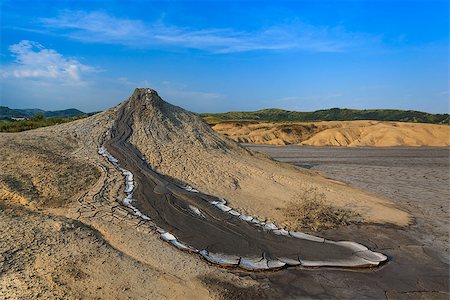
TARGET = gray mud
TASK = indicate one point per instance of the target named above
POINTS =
(415, 179)
(206, 227)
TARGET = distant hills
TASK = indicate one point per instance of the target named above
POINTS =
(333, 114)
(270, 115)
(7, 113)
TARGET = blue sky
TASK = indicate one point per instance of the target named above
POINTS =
(211, 56)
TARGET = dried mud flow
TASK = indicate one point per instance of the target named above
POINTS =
(220, 236)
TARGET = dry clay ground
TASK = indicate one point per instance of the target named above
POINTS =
(65, 235)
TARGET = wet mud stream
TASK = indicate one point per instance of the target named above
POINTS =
(202, 223)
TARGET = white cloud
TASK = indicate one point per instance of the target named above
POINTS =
(98, 27)
(34, 61)
(101, 27)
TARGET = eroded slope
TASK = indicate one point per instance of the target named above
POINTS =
(337, 133)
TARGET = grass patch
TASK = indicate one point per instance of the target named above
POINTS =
(312, 213)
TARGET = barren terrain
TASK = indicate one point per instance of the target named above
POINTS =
(69, 235)
(337, 133)
(416, 179)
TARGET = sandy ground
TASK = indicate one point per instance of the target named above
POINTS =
(337, 133)
(69, 237)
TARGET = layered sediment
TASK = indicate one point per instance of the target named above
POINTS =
(337, 133)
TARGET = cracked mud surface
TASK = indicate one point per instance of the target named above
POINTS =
(419, 266)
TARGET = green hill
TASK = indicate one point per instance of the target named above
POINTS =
(35, 118)
(334, 114)
(8, 113)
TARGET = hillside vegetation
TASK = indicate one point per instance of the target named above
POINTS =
(334, 114)
(7, 113)
(16, 120)
(34, 122)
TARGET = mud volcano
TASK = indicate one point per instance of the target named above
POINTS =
(201, 223)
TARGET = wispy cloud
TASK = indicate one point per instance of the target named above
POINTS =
(32, 60)
(100, 27)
